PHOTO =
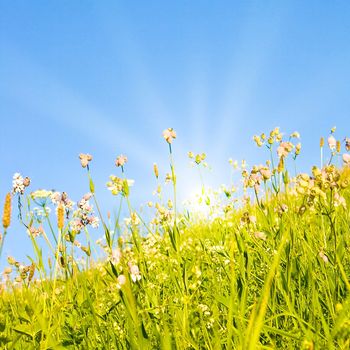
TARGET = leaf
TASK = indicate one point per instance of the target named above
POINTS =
(114, 270)
(92, 186)
(144, 332)
(24, 331)
(108, 236)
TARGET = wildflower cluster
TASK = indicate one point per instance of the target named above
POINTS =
(19, 183)
(118, 185)
(84, 215)
(198, 158)
(325, 184)
(58, 199)
(24, 272)
(174, 280)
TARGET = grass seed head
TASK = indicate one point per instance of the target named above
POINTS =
(6, 218)
(60, 216)
(321, 142)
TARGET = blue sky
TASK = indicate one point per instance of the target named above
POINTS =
(106, 77)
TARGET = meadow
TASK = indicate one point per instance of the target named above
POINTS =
(265, 265)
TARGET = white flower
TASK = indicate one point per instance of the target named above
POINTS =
(121, 281)
(134, 272)
(94, 221)
(18, 184)
(332, 142)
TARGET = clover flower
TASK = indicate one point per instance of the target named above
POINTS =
(169, 135)
(121, 160)
(85, 159)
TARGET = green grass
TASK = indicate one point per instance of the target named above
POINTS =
(271, 274)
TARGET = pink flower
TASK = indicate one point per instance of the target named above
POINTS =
(260, 235)
(121, 160)
(85, 159)
(116, 256)
(169, 134)
(266, 173)
(346, 158)
(332, 142)
(284, 148)
(323, 256)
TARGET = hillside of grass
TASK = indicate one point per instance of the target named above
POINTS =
(266, 268)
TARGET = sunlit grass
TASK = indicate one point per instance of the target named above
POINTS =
(261, 263)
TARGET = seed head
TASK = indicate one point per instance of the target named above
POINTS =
(280, 165)
(155, 169)
(338, 146)
(321, 142)
(6, 218)
(60, 216)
